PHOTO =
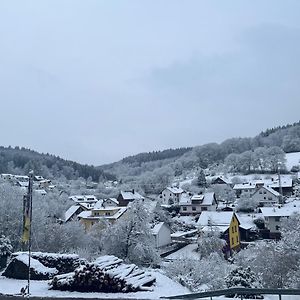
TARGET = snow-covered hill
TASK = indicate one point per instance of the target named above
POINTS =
(292, 159)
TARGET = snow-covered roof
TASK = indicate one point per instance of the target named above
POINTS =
(129, 195)
(85, 214)
(204, 199)
(155, 230)
(175, 189)
(215, 218)
(113, 200)
(88, 214)
(269, 189)
(243, 186)
(98, 205)
(23, 183)
(41, 191)
(246, 221)
(83, 198)
(71, 211)
(208, 198)
(284, 211)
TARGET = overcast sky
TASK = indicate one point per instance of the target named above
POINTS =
(94, 81)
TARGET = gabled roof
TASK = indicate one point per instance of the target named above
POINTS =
(71, 211)
(208, 198)
(112, 200)
(284, 211)
(243, 186)
(131, 195)
(204, 199)
(215, 218)
(155, 230)
(174, 189)
(269, 189)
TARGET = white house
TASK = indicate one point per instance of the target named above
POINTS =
(162, 234)
(247, 189)
(89, 200)
(170, 195)
(193, 205)
(266, 196)
(275, 215)
(110, 202)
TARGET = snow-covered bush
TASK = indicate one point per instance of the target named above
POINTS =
(242, 277)
(130, 238)
(199, 275)
(209, 243)
(246, 204)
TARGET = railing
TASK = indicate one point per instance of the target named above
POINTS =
(241, 292)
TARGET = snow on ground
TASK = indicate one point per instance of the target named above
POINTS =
(187, 252)
(164, 287)
(292, 159)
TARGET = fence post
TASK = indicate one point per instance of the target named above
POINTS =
(279, 296)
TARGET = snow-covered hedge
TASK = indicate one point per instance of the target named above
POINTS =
(18, 268)
(107, 274)
(64, 263)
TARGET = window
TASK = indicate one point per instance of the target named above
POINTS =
(277, 227)
(265, 192)
(184, 208)
(277, 219)
(260, 192)
(235, 228)
(237, 239)
(194, 208)
(232, 229)
(204, 208)
(232, 241)
(107, 213)
(265, 198)
(270, 198)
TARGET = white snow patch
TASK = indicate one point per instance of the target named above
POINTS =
(164, 286)
(292, 159)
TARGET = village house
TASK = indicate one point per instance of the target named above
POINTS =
(110, 202)
(162, 234)
(220, 180)
(266, 196)
(191, 205)
(99, 212)
(125, 197)
(170, 195)
(274, 216)
(219, 221)
(247, 188)
(89, 200)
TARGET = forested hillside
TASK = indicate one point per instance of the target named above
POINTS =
(21, 161)
(258, 154)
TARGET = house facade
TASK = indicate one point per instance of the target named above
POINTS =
(170, 195)
(266, 196)
(194, 205)
(99, 212)
(162, 234)
(125, 197)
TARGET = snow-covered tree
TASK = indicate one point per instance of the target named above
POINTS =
(209, 243)
(5, 246)
(246, 203)
(201, 180)
(130, 237)
(200, 275)
(242, 277)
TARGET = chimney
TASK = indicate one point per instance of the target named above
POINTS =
(132, 191)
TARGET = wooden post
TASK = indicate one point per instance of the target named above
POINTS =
(279, 296)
